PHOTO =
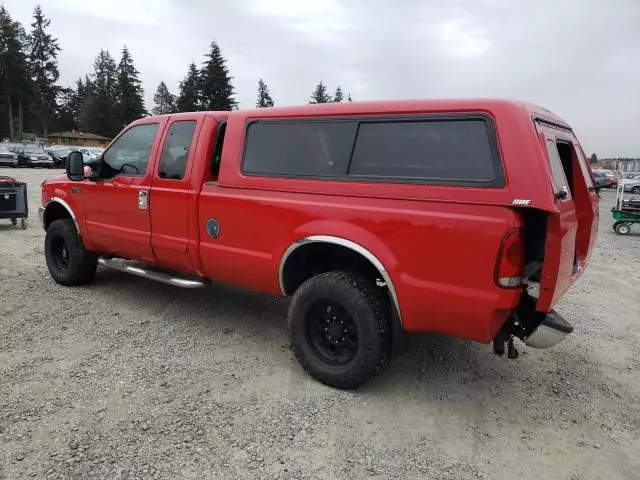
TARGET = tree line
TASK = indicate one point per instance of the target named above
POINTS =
(210, 88)
(111, 95)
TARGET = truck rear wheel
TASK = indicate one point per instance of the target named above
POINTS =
(340, 329)
(68, 262)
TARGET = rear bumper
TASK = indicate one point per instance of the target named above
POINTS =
(551, 331)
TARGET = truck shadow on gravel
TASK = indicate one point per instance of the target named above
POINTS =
(432, 368)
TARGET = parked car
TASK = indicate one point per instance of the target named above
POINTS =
(602, 178)
(632, 186)
(7, 157)
(91, 153)
(59, 155)
(30, 156)
(363, 213)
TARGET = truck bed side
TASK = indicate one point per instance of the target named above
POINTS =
(440, 286)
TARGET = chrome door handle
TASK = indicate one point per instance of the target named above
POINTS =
(143, 199)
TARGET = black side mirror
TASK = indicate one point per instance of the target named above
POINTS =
(75, 166)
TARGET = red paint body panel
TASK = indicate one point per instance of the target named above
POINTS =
(439, 244)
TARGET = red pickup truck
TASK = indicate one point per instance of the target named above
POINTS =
(465, 217)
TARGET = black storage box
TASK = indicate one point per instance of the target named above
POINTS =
(13, 200)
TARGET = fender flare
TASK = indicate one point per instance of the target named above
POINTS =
(66, 207)
(347, 244)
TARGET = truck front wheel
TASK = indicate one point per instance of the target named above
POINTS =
(340, 329)
(68, 262)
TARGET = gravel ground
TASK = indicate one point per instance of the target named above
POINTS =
(131, 379)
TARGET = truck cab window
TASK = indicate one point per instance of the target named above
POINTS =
(175, 153)
(129, 155)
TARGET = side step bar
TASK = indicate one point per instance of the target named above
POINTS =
(124, 266)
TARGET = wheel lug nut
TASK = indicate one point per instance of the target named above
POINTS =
(326, 329)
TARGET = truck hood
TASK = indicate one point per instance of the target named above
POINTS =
(58, 179)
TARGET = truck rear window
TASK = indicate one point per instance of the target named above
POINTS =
(451, 150)
(428, 150)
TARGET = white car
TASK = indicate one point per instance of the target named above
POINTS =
(91, 153)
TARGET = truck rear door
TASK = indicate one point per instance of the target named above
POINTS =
(171, 197)
(570, 231)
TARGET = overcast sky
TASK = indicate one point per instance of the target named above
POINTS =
(579, 58)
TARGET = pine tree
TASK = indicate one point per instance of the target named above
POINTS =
(320, 94)
(165, 102)
(66, 115)
(43, 53)
(129, 91)
(15, 84)
(215, 82)
(339, 96)
(264, 97)
(189, 96)
(99, 109)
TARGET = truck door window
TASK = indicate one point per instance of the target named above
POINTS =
(129, 154)
(558, 173)
(175, 152)
(217, 149)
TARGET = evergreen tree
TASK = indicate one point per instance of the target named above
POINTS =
(128, 91)
(66, 114)
(320, 94)
(189, 96)
(215, 82)
(14, 76)
(339, 96)
(43, 53)
(264, 97)
(164, 101)
(99, 109)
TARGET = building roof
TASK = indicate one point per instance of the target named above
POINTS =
(87, 136)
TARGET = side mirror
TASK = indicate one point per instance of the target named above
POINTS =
(75, 166)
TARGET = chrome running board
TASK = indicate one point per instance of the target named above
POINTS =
(136, 269)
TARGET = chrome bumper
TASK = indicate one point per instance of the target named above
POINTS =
(41, 215)
(551, 331)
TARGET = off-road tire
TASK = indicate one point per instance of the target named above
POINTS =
(368, 306)
(81, 264)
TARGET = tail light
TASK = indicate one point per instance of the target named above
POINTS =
(510, 264)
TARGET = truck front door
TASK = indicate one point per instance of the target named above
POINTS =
(116, 201)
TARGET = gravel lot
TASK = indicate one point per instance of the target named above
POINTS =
(132, 379)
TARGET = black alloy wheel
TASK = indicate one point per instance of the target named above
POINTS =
(332, 332)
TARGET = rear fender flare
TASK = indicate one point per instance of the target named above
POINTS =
(364, 252)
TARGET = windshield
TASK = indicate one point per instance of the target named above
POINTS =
(33, 150)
